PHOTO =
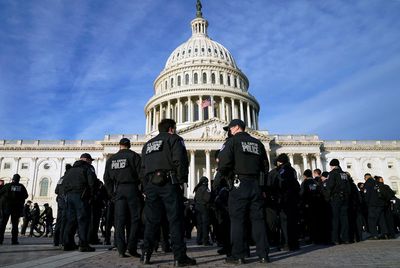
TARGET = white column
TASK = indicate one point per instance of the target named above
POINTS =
(254, 117)
(208, 167)
(200, 108)
(1, 161)
(211, 107)
(61, 160)
(154, 119)
(169, 109)
(16, 159)
(241, 111)
(192, 179)
(313, 164)
(190, 110)
(305, 165)
(161, 113)
(248, 115)
(319, 162)
(291, 159)
(223, 109)
(233, 108)
(178, 116)
(257, 127)
(35, 175)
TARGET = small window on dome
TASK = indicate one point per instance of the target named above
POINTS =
(183, 52)
(215, 51)
(166, 84)
(179, 80)
(195, 50)
(221, 79)
(186, 79)
(202, 49)
(195, 78)
(235, 81)
(177, 54)
(212, 78)
(229, 80)
(172, 82)
(204, 78)
(190, 51)
(209, 50)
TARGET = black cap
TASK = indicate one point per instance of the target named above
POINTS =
(334, 163)
(235, 122)
(45, 204)
(325, 174)
(282, 158)
(16, 177)
(87, 156)
(125, 142)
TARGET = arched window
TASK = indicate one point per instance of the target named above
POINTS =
(204, 78)
(195, 113)
(166, 84)
(195, 78)
(185, 112)
(179, 80)
(221, 79)
(235, 81)
(44, 187)
(186, 79)
(212, 78)
(172, 82)
(229, 80)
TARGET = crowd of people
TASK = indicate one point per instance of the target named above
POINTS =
(248, 203)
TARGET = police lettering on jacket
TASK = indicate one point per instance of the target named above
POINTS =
(250, 147)
(154, 146)
(118, 163)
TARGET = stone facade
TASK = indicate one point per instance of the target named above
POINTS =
(202, 88)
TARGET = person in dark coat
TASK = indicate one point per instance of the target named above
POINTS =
(202, 200)
(13, 195)
(47, 215)
(26, 213)
(35, 214)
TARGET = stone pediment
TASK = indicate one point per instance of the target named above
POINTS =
(212, 129)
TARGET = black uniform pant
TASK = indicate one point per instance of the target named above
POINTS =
(109, 222)
(25, 222)
(171, 197)
(289, 219)
(60, 222)
(78, 210)
(14, 213)
(376, 217)
(127, 216)
(96, 209)
(243, 201)
(340, 220)
(203, 223)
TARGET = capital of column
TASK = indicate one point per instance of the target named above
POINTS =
(17, 158)
(60, 158)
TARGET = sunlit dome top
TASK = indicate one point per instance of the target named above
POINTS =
(200, 47)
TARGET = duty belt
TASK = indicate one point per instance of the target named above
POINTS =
(244, 176)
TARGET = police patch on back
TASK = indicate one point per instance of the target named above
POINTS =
(155, 146)
(118, 164)
(250, 147)
(16, 188)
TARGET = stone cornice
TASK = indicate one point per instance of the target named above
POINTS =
(361, 148)
(50, 148)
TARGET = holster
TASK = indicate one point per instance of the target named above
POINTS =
(159, 178)
(173, 177)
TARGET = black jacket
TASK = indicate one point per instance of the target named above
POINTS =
(290, 187)
(165, 152)
(80, 178)
(243, 154)
(13, 195)
(123, 167)
(373, 194)
(338, 185)
(202, 194)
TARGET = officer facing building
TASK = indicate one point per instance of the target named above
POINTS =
(78, 186)
(121, 180)
(247, 157)
(13, 195)
(165, 169)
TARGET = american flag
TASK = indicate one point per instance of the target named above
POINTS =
(206, 102)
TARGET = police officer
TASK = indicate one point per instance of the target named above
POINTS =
(247, 157)
(165, 170)
(121, 179)
(47, 214)
(339, 189)
(202, 199)
(78, 185)
(26, 213)
(14, 195)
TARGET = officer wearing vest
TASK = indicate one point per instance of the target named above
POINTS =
(338, 187)
(247, 157)
(121, 179)
(78, 186)
(165, 170)
(13, 195)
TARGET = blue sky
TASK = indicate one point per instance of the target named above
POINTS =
(81, 69)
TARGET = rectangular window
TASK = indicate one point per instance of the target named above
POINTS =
(7, 165)
(24, 166)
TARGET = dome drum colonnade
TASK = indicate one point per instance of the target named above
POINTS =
(200, 81)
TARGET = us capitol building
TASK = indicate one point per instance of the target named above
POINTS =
(202, 88)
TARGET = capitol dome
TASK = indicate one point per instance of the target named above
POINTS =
(201, 81)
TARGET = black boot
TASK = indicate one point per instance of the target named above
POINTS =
(145, 258)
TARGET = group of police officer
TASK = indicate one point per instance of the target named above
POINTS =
(245, 192)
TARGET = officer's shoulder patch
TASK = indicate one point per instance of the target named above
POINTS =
(282, 171)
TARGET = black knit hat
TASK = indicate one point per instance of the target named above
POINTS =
(334, 163)
(125, 142)
(282, 158)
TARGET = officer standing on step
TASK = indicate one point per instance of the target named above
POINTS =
(165, 170)
(121, 179)
(246, 156)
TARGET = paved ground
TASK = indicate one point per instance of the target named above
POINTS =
(39, 252)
